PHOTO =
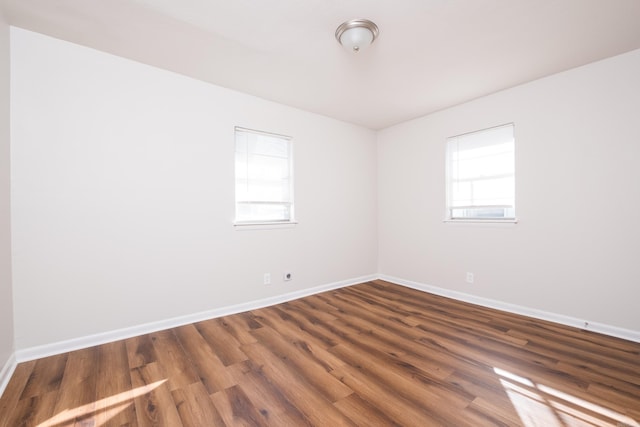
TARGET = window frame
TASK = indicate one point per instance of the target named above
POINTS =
(265, 223)
(449, 217)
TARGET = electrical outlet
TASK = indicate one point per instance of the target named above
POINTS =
(469, 277)
(267, 278)
(287, 276)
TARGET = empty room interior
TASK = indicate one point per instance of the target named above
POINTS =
(285, 213)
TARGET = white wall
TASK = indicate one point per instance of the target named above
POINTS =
(576, 247)
(123, 196)
(6, 298)
(122, 199)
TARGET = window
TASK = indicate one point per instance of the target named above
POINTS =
(481, 175)
(264, 183)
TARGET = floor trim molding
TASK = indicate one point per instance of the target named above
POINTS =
(7, 371)
(59, 347)
(585, 324)
(37, 352)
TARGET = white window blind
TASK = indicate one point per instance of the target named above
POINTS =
(264, 183)
(481, 175)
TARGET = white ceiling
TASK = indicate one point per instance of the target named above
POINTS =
(431, 54)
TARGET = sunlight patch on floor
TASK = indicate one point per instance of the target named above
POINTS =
(103, 409)
(539, 405)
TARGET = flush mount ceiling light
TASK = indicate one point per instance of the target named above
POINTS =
(357, 34)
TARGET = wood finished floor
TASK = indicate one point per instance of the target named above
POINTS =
(374, 354)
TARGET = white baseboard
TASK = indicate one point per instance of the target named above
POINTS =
(585, 324)
(6, 372)
(59, 347)
(38, 352)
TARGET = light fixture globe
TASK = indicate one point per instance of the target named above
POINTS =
(356, 34)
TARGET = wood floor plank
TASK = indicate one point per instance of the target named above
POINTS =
(490, 416)
(499, 411)
(410, 384)
(297, 329)
(317, 409)
(156, 406)
(203, 360)
(364, 413)
(312, 322)
(298, 361)
(173, 359)
(46, 376)
(280, 315)
(237, 328)
(419, 303)
(574, 344)
(624, 402)
(221, 341)
(140, 351)
(13, 391)
(373, 354)
(594, 376)
(439, 365)
(416, 381)
(317, 312)
(403, 339)
(397, 407)
(269, 399)
(114, 397)
(236, 409)
(34, 410)
(77, 396)
(196, 408)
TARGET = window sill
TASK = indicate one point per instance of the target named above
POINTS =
(482, 221)
(245, 226)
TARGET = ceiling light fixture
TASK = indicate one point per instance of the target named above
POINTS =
(356, 34)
